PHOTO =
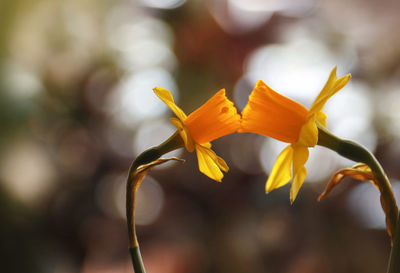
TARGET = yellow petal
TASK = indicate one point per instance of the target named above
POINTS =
(206, 145)
(183, 132)
(309, 133)
(167, 98)
(300, 156)
(332, 86)
(281, 172)
(218, 160)
(321, 118)
(327, 87)
(216, 118)
(210, 164)
(271, 114)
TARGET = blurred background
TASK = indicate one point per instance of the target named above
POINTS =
(76, 107)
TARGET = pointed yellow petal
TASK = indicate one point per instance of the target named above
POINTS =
(167, 98)
(271, 114)
(327, 87)
(300, 156)
(308, 136)
(184, 134)
(281, 172)
(210, 163)
(332, 86)
(216, 118)
(222, 164)
(218, 160)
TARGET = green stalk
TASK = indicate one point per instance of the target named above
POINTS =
(394, 258)
(137, 261)
(132, 185)
(358, 153)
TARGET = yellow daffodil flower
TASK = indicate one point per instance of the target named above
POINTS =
(214, 119)
(272, 114)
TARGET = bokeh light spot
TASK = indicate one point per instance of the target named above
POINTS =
(134, 99)
(163, 4)
(27, 172)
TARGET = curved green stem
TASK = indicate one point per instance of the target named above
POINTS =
(137, 261)
(358, 153)
(148, 156)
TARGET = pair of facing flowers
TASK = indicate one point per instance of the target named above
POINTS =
(267, 113)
